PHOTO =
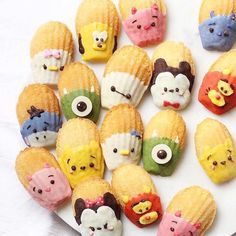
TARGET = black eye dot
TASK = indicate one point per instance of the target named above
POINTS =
(91, 165)
(81, 106)
(140, 211)
(165, 89)
(132, 150)
(230, 158)
(115, 150)
(34, 189)
(73, 168)
(139, 26)
(92, 228)
(211, 30)
(147, 208)
(61, 68)
(45, 129)
(162, 154)
(105, 226)
(40, 191)
(215, 163)
(102, 40)
(172, 229)
(99, 228)
(226, 34)
(52, 182)
(128, 96)
(97, 39)
(177, 90)
(44, 67)
(113, 88)
(153, 24)
(34, 130)
(221, 88)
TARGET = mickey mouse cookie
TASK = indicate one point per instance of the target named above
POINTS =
(52, 47)
(39, 173)
(97, 27)
(144, 21)
(79, 92)
(39, 115)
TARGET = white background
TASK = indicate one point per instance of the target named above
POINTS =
(19, 214)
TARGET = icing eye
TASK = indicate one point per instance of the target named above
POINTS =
(153, 24)
(61, 68)
(34, 189)
(44, 67)
(52, 182)
(215, 163)
(105, 226)
(230, 158)
(161, 154)
(91, 165)
(113, 88)
(132, 150)
(102, 40)
(128, 96)
(73, 168)
(211, 30)
(82, 106)
(115, 150)
(99, 228)
(165, 89)
(82, 167)
(226, 34)
(97, 39)
(139, 26)
(177, 90)
(40, 191)
(92, 228)
(45, 129)
(172, 229)
(34, 130)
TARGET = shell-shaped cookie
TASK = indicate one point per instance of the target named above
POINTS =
(215, 150)
(40, 174)
(97, 27)
(144, 21)
(96, 208)
(121, 136)
(126, 77)
(79, 152)
(52, 47)
(137, 195)
(191, 212)
(173, 76)
(164, 140)
(39, 115)
(79, 92)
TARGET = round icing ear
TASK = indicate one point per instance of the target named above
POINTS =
(155, 7)
(197, 225)
(212, 14)
(134, 10)
(178, 213)
(46, 165)
(79, 208)
(109, 200)
(29, 178)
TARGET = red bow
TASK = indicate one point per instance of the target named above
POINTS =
(168, 104)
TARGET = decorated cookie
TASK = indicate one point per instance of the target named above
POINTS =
(121, 136)
(39, 173)
(79, 91)
(126, 77)
(173, 76)
(191, 212)
(164, 140)
(97, 27)
(217, 24)
(51, 49)
(79, 151)
(96, 210)
(144, 21)
(215, 150)
(39, 115)
(137, 194)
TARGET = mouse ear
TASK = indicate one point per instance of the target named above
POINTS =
(134, 10)
(160, 66)
(184, 67)
(79, 207)
(212, 14)
(109, 200)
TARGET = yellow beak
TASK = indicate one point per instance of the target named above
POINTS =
(53, 68)
(124, 152)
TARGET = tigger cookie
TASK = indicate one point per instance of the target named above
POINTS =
(137, 195)
(79, 91)
(97, 27)
(39, 173)
(39, 115)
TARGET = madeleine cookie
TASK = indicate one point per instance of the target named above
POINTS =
(173, 76)
(191, 212)
(217, 24)
(137, 195)
(126, 77)
(164, 140)
(97, 27)
(215, 150)
(95, 208)
(39, 115)
(52, 47)
(79, 91)
(39, 173)
(144, 21)
(121, 136)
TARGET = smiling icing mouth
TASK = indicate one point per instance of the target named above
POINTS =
(127, 96)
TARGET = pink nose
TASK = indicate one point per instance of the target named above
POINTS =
(147, 218)
(147, 27)
(48, 189)
(218, 97)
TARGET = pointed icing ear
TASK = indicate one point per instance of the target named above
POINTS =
(147, 189)
(134, 10)
(185, 67)
(178, 213)
(212, 14)
(125, 199)
(79, 207)
(161, 66)
(197, 225)
(155, 7)
(29, 178)
(46, 165)
(109, 200)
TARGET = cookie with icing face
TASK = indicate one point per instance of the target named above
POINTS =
(121, 136)
(217, 24)
(52, 47)
(40, 174)
(144, 21)
(79, 92)
(39, 115)
(126, 77)
(97, 27)
(137, 195)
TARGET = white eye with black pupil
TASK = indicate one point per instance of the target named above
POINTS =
(161, 154)
(81, 106)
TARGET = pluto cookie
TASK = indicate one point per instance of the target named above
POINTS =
(51, 49)
(97, 27)
(215, 150)
(39, 115)
(79, 91)
(126, 77)
(121, 136)
(96, 210)
(137, 195)
(79, 151)
(144, 21)
(164, 140)
(217, 24)
(39, 173)
(173, 76)
(191, 212)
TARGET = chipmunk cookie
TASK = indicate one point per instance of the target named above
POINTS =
(137, 195)
(79, 92)
(121, 136)
(52, 47)
(164, 140)
(39, 173)
(79, 152)
(217, 24)
(173, 76)
(95, 208)
(39, 115)
(144, 21)
(191, 212)
(97, 27)
(126, 77)
(215, 150)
